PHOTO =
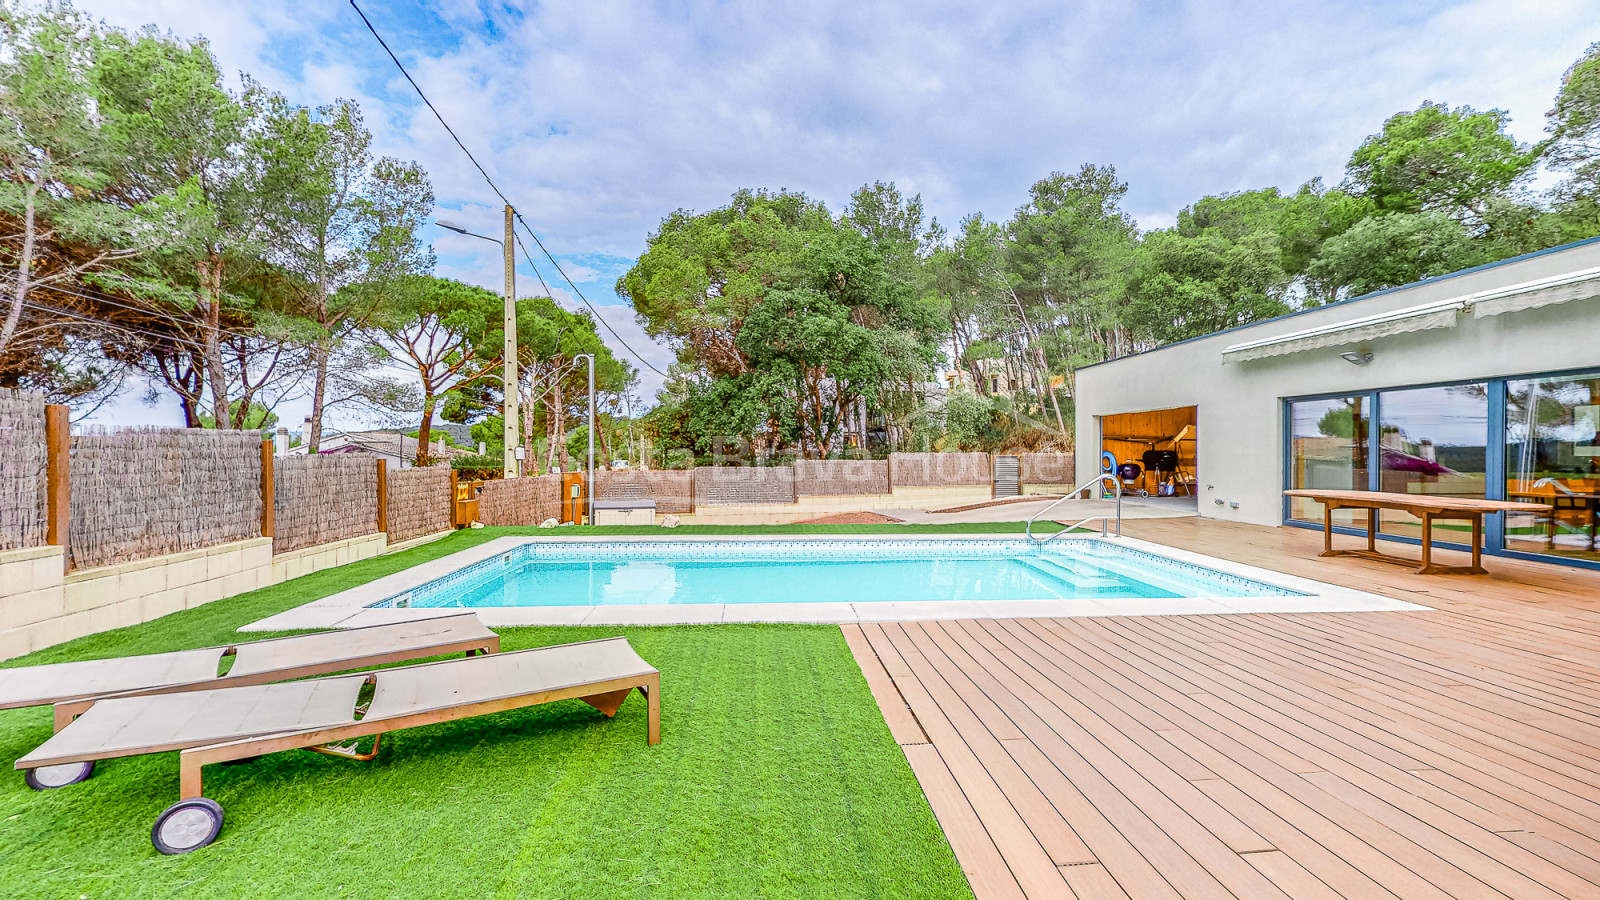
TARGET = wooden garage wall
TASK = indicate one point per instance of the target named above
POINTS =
(1128, 435)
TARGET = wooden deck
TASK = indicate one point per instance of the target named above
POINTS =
(1451, 753)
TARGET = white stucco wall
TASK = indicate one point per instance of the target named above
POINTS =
(1239, 405)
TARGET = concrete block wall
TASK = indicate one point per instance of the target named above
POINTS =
(32, 595)
(325, 556)
(823, 505)
(41, 606)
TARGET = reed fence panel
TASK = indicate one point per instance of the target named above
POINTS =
(139, 493)
(419, 502)
(819, 477)
(939, 469)
(673, 492)
(520, 501)
(325, 498)
(23, 456)
(732, 485)
(1048, 468)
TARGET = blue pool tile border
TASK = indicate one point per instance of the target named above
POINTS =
(470, 578)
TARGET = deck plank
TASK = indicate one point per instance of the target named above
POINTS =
(896, 711)
(985, 868)
(1451, 752)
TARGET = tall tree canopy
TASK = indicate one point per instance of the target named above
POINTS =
(236, 249)
(1574, 147)
(1434, 158)
(783, 316)
(67, 217)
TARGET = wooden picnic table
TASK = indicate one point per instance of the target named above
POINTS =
(1423, 507)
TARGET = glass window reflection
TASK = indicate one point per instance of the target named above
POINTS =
(1328, 450)
(1433, 441)
(1553, 457)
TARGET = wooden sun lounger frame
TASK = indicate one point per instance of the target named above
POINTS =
(69, 709)
(606, 696)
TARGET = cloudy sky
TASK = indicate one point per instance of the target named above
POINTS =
(599, 118)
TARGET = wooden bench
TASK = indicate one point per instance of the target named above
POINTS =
(1423, 507)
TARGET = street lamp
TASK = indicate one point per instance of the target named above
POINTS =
(590, 482)
(509, 397)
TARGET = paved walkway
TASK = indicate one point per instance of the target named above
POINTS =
(1440, 754)
(1070, 511)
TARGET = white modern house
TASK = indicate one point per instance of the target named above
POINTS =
(1482, 383)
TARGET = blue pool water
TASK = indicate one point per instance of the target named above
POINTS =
(637, 572)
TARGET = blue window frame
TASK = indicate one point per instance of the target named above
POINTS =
(1494, 463)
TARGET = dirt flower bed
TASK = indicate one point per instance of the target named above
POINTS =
(852, 518)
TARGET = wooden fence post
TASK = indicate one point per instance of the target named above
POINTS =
(455, 505)
(58, 486)
(383, 496)
(269, 492)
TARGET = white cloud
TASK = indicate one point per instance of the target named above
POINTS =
(599, 118)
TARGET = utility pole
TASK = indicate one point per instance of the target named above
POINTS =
(509, 394)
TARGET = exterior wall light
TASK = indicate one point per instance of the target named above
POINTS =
(1356, 357)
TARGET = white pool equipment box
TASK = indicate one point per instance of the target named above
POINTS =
(624, 512)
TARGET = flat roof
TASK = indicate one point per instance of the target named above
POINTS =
(1386, 291)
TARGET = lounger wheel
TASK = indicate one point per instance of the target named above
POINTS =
(187, 825)
(47, 778)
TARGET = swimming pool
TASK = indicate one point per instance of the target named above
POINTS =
(641, 573)
(559, 580)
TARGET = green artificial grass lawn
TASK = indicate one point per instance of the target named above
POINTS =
(775, 777)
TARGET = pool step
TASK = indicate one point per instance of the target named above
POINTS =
(1091, 579)
(1075, 565)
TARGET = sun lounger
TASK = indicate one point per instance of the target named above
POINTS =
(75, 686)
(211, 726)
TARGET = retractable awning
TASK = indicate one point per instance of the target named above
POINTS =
(1353, 331)
(1578, 285)
(1534, 294)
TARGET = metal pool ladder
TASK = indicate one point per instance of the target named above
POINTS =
(1094, 482)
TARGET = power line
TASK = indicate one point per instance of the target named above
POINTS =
(597, 316)
(575, 290)
(535, 268)
(501, 194)
(414, 86)
(149, 312)
(114, 326)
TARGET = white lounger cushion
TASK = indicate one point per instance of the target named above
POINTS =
(460, 682)
(128, 726)
(154, 723)
(329, 651)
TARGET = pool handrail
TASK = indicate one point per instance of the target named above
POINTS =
(1094, 482)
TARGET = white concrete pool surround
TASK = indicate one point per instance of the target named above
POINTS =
(350, 608)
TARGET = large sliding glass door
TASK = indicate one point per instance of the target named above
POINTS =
(1552, 449)
(1532, 438)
